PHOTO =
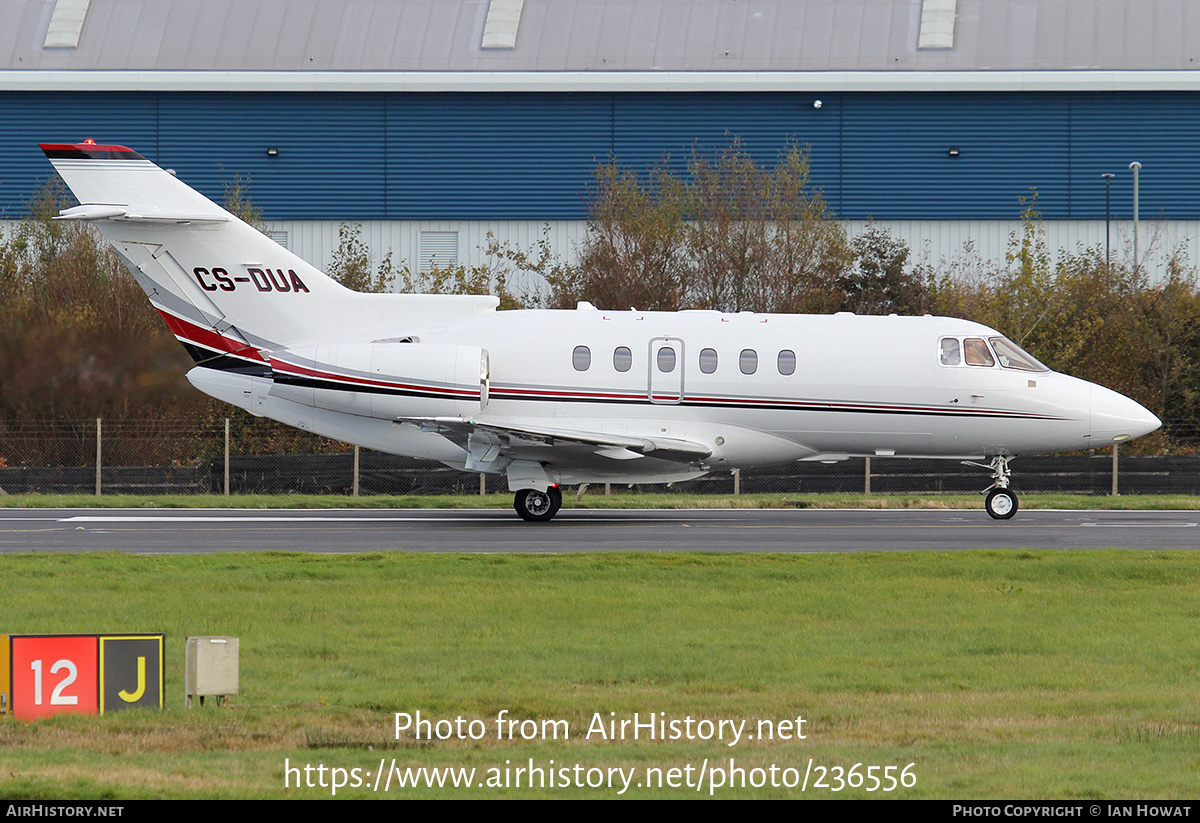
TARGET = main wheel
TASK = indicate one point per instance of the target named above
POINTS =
(1001, 503)
(537, 506)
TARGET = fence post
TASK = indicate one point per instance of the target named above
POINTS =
(1114, 470)
(737, 482)
(226, 456)
(867, 478)
(355, 484)
(482, 485)
(97, 456)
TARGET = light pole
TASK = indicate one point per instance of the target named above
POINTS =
(1135, 167)
(1108, 177)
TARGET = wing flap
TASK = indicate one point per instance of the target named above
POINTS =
(615, 446)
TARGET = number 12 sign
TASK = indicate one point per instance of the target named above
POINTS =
(83, 674)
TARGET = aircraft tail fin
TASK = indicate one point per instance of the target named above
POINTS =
(228, 292)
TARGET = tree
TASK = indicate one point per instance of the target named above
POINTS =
(808, 248)
(238, 203)
(79, 338)
(634, 252)
(879, 282)
(1172, 347)
(729, 235)
(729, 231)
(761, 239)
(353, 266)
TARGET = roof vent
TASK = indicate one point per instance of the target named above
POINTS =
(65, 24)
(500, 30)
(937, 24)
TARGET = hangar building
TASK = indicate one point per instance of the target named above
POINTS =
(434, 122)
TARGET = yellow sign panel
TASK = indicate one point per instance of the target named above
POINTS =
(131, 672)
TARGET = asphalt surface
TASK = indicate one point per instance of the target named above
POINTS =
(190, 531)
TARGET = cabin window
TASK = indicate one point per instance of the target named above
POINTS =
(1013, 356)
(622, 358)
(748, 361)
(951, 353)
(666, 359)
(708, 360)
(977, 352)
(581, 358)
(787, 362)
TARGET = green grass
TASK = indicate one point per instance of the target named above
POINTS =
(595, 499)
(1018, 674)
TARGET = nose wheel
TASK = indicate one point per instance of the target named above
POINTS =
(538, 506)
(1001, 503)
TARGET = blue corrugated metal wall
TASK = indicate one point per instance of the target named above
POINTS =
(896, 159)
(531, 156)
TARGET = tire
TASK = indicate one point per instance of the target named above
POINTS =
(1001, 504)
(537, 506)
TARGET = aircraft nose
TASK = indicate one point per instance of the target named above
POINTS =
(1115, 418)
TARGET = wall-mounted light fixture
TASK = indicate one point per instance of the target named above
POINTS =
(952, 152)
(272, 151)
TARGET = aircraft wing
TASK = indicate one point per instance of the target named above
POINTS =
(487, 441)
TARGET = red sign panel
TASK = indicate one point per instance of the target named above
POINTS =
(54, 674)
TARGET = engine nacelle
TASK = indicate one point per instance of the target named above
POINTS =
(385, 380)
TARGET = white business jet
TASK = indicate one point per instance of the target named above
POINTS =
(547, 398)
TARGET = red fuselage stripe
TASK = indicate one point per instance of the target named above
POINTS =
(208, 338)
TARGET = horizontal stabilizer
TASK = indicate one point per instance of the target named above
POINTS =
(98, 212)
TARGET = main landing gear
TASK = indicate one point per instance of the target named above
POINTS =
(1001, 501)
(537, 506)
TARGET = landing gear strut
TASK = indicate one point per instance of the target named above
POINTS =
(1001, 501)
(537, 506)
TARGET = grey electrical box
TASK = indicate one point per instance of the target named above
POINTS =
(211, 668)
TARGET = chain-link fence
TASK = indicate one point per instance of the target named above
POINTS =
(257, 456)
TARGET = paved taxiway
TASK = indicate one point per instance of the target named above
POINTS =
(178, 531)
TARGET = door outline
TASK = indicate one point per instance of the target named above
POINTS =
(665, 388)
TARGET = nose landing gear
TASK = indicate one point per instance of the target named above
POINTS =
(1001, 501)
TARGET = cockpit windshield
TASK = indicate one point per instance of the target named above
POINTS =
(1013, 356)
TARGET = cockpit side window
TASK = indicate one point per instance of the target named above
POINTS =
(951, 356)
(977, 352)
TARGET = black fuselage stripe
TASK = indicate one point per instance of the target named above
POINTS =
(331, 385)
(222, 361)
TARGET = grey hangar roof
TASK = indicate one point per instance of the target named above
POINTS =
(591, 44)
